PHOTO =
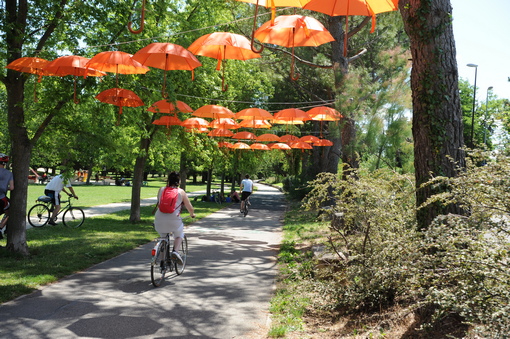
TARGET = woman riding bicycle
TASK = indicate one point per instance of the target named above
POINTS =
(165, 222)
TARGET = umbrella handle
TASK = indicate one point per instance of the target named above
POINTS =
(224, 86)
(292, 63)
(142, 21)
(258, 51)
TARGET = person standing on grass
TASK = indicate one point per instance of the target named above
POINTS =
(6, 184)
(167, 212)
(53, 188)
(246, 190)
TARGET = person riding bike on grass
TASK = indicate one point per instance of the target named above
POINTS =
(54, 187)
(6, 184)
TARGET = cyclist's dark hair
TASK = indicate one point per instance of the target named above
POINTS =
(247, 176)
(174, 179)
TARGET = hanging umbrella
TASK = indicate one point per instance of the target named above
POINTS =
(120, 97)
(280, 145)
(352, 7)
(244, 135)
(253, 123)
(323, 142)
(270, 4)
(289, 115)
(288, 138)
(167, 56)
(197, 123)
(268, 137)
(225, 144)
(287, 122)
(116, 62)
(300, 145)
(226, 123)
(164, 106)
(30, 65)
(167, 121)
(323, 113)
(220, 132)
(309, 139)
(294, 31)
(260, 146)
(257, 113)
(71, 65)
(221, 46)
(213, 112)
(240, 145)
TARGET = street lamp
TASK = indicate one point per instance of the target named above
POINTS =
(486, 115)
(474, 102)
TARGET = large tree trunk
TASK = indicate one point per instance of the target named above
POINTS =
(437, 116)
(138, 179)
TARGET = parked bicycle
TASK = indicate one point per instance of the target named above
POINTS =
(162, 260)
(39, 215)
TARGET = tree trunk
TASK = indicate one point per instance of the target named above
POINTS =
(138, 179)
(183, 171)
(437, 116)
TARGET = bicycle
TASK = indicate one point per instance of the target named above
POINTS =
(162, 261)
(39, 215)
(247, 205)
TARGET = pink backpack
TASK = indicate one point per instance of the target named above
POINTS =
(168, 199)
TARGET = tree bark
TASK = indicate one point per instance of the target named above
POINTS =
(437, 116)
(138, 179)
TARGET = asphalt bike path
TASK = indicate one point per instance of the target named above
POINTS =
(224, 291)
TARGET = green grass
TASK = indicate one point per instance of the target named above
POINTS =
(57, 251)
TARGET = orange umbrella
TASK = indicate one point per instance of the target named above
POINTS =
(254, 123)
(244, 135)
(164, 106)
(225, 144)
(71, 65)
(292, 31)
(167, 56)
(323, 142)
(167, 121)
(195, 123)
(289, 115)
(220, 132)
(271, 4)
(352, 7)
(116, 62)
(309, 139)
(120, 97)
(227, 123)
(223, 45)
(240, 145)
(287, 122)
(30, 65)
(323, 113)
(268, 137)
(253, 113)
(300, 145)
(288, 138)
(279, 145)
(260, 146)
(214, 112)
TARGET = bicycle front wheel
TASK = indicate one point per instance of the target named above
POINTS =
(184, 254)
(73, 217)
(159, 264)
(38, 215)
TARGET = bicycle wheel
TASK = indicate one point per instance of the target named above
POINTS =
(158, 263)
(38, 215)
(73, 217)
(184, 254)
(245, 211)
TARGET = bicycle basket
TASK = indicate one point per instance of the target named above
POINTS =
(44, 198)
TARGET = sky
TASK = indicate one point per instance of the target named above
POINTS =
(482, 37)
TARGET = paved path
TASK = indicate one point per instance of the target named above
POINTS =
(223, 293)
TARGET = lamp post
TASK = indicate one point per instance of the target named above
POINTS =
(474, 103)
(486, 116)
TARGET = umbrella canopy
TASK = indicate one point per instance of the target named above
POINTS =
(289, 115)
(352, 7)
(300, 145)
(244, 135)
(167, 56)
(260, 146)
(116, 62)
(71, 65)
(213, 112)
(120, 97)
(227, 123)
(30, 65)
(221, 46)
(240, 145)
(220, 132)
(253, 123)
(268, 137)
(287, 122)
(288, 138)
(280, 145)
(309, 139)
(256, 113)
(164, 106)
(323, 113)
(323, 142)
(195, 123)
(292, 31)
(167, 120)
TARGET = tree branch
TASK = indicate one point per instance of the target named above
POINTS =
(52, 25)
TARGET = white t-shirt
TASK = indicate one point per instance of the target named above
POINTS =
(247, 185)
(57, 184)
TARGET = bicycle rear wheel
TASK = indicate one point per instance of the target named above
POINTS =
(184, 254)
(158, 263)
(245, 211)
(38, 215)
(73, 217)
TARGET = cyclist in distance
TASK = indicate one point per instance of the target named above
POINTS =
(164, 222)
(246, 190)
(54, 187)
(6, 184)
